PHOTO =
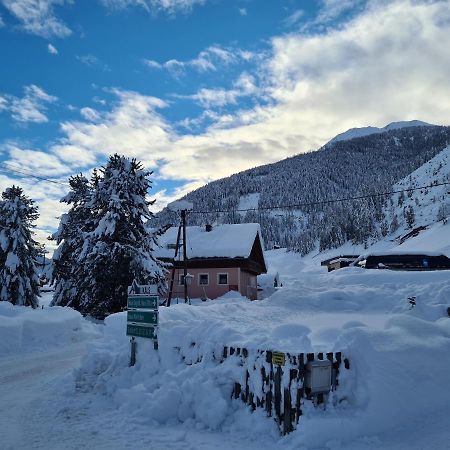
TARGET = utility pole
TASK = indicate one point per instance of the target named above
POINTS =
(181, 229)
(183, 224)
(172, 278)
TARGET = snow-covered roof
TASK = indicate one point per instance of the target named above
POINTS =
(394, 253)
(342, 260)
(401, 253)
(223, 241)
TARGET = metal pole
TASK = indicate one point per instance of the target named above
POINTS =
(183, 223)
(133, 351)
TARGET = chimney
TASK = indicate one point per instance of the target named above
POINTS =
(208, 227)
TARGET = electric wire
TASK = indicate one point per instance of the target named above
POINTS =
(321, 202)
(25, 173)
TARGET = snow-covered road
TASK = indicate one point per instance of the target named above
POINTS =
(24, 381)
(39, 410)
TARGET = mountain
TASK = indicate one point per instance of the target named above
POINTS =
(300, 188)
(366, 131)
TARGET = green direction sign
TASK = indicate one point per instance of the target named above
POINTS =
(143, 301)
(141, 331)
(150, 317)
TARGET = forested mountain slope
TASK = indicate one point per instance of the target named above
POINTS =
(346, 168)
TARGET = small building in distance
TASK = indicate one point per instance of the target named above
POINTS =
(337, 262)
(222, 258)
(423, 261)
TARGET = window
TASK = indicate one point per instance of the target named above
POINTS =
(222, 278)
(203, 279)
(181, 280)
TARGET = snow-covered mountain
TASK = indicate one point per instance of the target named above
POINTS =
(428, 205)
(369, 164)
(366, 131)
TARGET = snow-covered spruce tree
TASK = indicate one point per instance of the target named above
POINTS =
(120, 246)
(69, 237)
(19, 281)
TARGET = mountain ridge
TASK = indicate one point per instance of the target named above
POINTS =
(365, 165)
(367, 131)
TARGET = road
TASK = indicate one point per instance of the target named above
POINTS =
(40, 409)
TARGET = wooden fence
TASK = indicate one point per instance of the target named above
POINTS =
(274, 381)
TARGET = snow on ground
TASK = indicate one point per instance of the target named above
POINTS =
(426, 202)
(395, 395)
(24, 330)
(399, 357)
(248, 201)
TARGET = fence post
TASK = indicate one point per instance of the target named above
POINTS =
(277, 393)
(287, 426)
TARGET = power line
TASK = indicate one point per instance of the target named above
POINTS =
(322, 202)
(24, 173)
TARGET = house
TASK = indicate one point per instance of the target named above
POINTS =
(337, 262)
(404, 261)
(222, 258)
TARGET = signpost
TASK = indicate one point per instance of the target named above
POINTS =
(142, 315)
(143, 301)
(146, 317)
(278, 358)
(140, 331)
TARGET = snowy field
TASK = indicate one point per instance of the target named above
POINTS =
(65, 381)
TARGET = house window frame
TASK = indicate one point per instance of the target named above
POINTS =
(181, 279)
(199, 277)
(228, 279)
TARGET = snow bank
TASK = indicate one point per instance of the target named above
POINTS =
(398, 354)
(24, 329)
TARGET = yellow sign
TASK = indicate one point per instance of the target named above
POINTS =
(278, 358)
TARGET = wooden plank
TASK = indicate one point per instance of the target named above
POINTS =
(277, 393)
(287, 420)
(237, 390)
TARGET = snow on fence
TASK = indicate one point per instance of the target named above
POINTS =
(277, 382)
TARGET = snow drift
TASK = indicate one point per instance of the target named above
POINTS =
(398, 355)
(25, 330)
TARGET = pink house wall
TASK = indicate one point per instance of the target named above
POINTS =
(238, 280)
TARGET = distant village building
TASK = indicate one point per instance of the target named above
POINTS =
(338, 262)
(222, 258)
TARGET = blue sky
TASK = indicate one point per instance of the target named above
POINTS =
(201, 89)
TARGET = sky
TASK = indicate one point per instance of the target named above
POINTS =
(201, 89)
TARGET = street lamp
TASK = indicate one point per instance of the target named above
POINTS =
(188, 281)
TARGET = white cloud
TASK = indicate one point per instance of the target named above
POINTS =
(207, 60)
(242, 11)
(331, 9)
(91, 60)
(2, 23)
(90, 114)
(169, 6)
(31, 107)
(3, 103)
(242, 87)
(37, 17)
(163, 198)
(35, 162)
(294, 18)
(52, 49)
(388, 63)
